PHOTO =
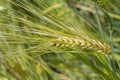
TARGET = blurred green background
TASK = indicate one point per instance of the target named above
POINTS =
(27, 28)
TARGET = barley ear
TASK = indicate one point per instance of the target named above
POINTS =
(93, 45)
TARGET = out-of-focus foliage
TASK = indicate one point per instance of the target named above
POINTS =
(29, 27)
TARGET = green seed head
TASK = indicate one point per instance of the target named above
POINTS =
(101, 3)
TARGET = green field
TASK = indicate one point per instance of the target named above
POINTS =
(59, 39)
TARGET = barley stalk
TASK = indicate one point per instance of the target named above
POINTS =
(93, 45)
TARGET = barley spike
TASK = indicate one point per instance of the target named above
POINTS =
(93, 45)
